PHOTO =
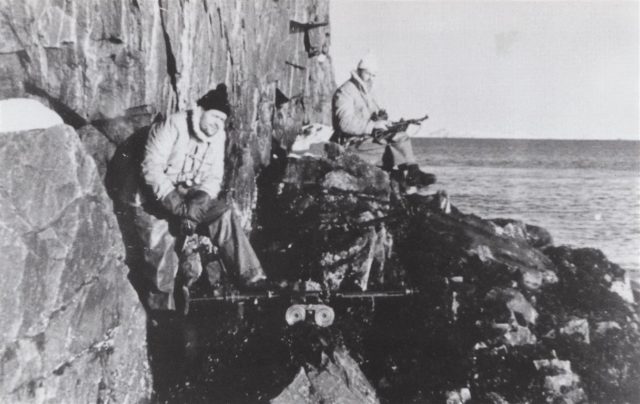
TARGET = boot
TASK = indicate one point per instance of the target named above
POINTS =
(189, 270)
(418, 178)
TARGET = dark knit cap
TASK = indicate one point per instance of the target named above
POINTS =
(216, 99)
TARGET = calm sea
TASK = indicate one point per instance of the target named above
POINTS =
(586, 193)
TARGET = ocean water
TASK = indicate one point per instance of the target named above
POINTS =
(586, 193)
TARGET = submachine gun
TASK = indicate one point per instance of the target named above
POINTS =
(311, 305)
(385, 135)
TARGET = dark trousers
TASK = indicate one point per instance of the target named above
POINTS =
(223, 227)
(396, 152)
(153, 252)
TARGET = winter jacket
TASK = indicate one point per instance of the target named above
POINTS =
(177, 151)
(352, 108)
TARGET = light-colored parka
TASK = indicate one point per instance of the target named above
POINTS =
(178, 151)
(352, 107)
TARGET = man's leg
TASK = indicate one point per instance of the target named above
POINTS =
(369, 151)
(156, 263)
(225, 231)
(398, 152)
(402, 154)
(402, 150)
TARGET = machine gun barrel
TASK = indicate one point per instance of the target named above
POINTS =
(338, 295)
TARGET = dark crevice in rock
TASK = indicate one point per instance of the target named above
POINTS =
(62, 307)
(97, 348)
(311, 51)
(52, 223)
(112, 39)
(223, 31)
(24, 59)
(87, 282)
(281, 99)
(296, 27)
(104, 346)
(172, 69)
(296, 66)
(117, 129)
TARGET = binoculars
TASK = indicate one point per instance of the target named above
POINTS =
(322, 315)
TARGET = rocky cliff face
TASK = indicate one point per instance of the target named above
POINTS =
(72, 327)
(107, 67)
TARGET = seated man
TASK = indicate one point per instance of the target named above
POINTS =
(356, 115)
(183, 168)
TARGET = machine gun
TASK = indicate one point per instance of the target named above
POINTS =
(380, 135)
(235, 297)
(310, 304)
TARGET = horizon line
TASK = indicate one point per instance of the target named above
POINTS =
(526, 138)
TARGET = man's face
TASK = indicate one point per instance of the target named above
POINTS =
(367, 77)
(212, 121)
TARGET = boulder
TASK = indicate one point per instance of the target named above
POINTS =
(458, 397)
(561, 384)
(532, 280)
(336, 169)
(512, 303)
(622, 288)
(73, 328)
(603, 327)
(577, 328)
(338, 379)
(586, 286)
(326, 221)
(454, 236)
(536, 236)
(514, 334)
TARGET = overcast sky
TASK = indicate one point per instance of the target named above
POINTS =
(499, 69)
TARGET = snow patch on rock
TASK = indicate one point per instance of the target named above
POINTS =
(22, 114)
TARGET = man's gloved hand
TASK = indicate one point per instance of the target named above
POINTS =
(174, 203)
(187, 226)
(198, 205)
(379, 130)
(380, 125)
